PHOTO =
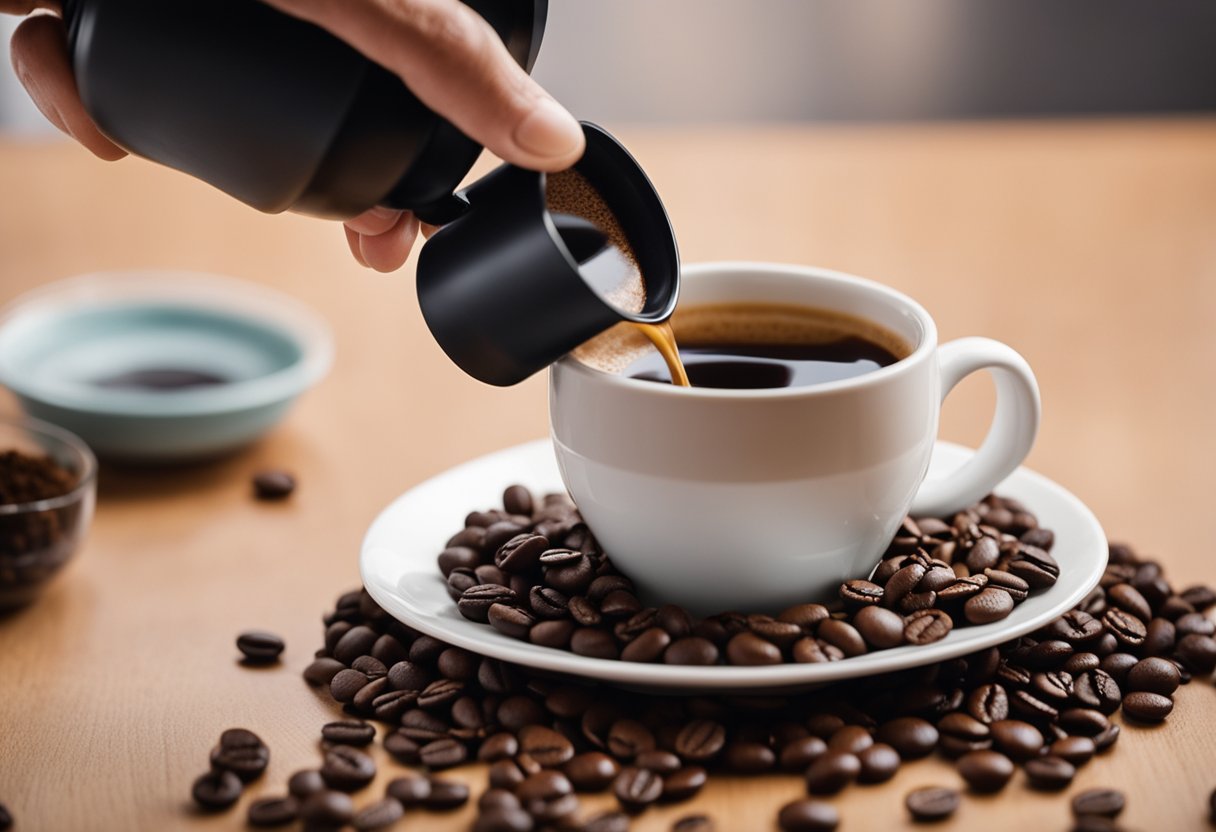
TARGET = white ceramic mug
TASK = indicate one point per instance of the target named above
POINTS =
(757, 499)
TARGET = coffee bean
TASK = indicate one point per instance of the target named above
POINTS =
(1019, 740)
(1097, 689)
(781, 633)
(808, 650)
(327, 810)
(1107, 803)
(446, 795)
(832, 772)
(926, 626)
(799, 754)
(521, 553)
(1195, 623)
(700, 740)
(597, 644)
(607, 822)
(879, 763)
(879, 627)
(322, 671)
(591, 771)
(1147, 707)
(911, 736)
(1154, 675)
(903, 582)
(242, 752)
(347, 769)
(850, 738)
(348, 732)
(510, 621)
(808, 816)
(985, 771)
(637, 788)
(546, 746)
(442, 753)
(628, 737)
(984, 554)
(748, 757)
(259, 646)
(859, 593)
(992, 604)
(931, 803)
(504, 819)
(517, 499)
(554, 634)
(440, 693)
(988, 703)
(647, 647)
(747, 648)
(1076, 750)
(273, 811)
(1197, 653)
(216, 790)
(805, 616)
(475, 602)
(273, 484)
(1076, 627)
(841, 635)
(1125, 627)
(303, 783)
(402, 747)
(505, 774)
(684, 784)
(1049, 773)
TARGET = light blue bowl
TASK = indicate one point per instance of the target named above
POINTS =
(61, 344)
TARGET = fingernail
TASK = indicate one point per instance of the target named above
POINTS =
(549, 130)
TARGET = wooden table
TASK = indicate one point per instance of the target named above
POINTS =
(1089, 246)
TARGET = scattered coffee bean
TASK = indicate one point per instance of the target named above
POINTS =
(911, 736)
(273, 484)
(1049, 773)
(349, 732)
(684, 784)
(985, 771)
(637, 788)
(879, 763)
(504, 819)
(832, 772)
(1107, 803)
(347, 769)
(327, 810)
(927, 626)
(808, 816)
(931, 803)
(216, 790)
(259, 646)
(273, 811)
(591, 771)
(241, 752)
(410, 791)
(1147, 707)
(700, 740)
(378, 815)
(303, 783)
(608, 822)
(446, 795)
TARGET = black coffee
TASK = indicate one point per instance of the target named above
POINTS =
(160, 378)
(758, 366)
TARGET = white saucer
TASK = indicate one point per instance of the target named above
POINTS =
(399, 570)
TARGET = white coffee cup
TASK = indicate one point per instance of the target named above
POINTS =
(754, 500)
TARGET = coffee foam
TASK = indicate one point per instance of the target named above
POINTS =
(738, 323)
(569, 192)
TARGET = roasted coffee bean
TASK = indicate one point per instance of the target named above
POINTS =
(637, 788)
(693, 823)
(347, 769)
(800, 753)
(497, 799)
(273, 484)
(806, 616)
(926, 626)
(842, 635)
(647, 647)
(859, 593)
(446, 795)
(808, 650)
(1197, 653)
(832, 772)
(985, 771)
(567, 571)
(1076, 750)
(322, 671)
(984, 554)
(597, 644)
(1125, 627)
(503, 819)
(619, 604)
(259, 646)
(348, 732)
(554, 634)
(1081, 662)
(517, 499)
(548, 747)
(356, 642)
(242, 752)
(911, 736)
(475, 602)
(402, 747)
(992, 604)
(440, 694)
(547, 602)
(1078, 628)
(515, 712)
(879, 762)
(700, 740)
(1129, 599)
(879, 627)
(691, 650)
(505, 774)
(346, 683)
(379, 815)
(902, 583)
(442, 753)
(327, 810)
(591, 771)
(1147, 707)
(1056, 685)
(658, 761)
(1049, 773)
(1195, 623)
(931, 803)
(747, 648)
(370, 667)
(1018, 740)
(684, 784)
(305, 782)
(988, 703)
(500, 531)
(1154, 675)
(501, 746)
(748, 757)
(216, 790)
(510, 621)
(1107, 803)
(628, 737)
(850, 738)
(272, 811)
(458, 557)
(808, 816)
(521, 553)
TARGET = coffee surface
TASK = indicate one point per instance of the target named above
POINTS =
(160, 379)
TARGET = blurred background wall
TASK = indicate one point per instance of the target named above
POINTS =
(780, 60)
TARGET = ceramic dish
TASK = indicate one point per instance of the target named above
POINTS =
(70, 350)
(399, 570)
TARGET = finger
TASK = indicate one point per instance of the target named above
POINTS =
(352, 240)
(41, 61)
(388, 252)
(375, 220)
(26, 6)
(455, 63)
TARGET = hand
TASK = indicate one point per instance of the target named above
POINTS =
(444, 51)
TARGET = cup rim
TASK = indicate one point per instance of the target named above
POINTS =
(88, 461)
(926, 346)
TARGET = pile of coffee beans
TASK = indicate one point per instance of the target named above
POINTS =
(1042, 702)
(240, 757)
(533, 571)
(32, 543)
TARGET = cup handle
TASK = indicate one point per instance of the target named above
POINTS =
(1014, 425)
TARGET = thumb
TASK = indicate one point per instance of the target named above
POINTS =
(455, 63)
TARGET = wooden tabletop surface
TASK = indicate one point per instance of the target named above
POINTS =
(1088, 246)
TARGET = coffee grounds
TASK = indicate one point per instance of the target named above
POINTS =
(543, 578)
